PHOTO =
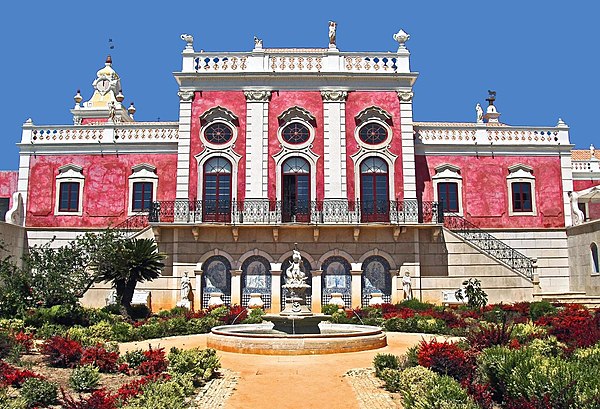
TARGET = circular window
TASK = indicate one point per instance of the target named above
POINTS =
(218, 133)
(373, 133)
(295, 133)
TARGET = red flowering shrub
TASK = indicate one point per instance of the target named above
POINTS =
(576, 326)
(155, 362)
(481, 393)
(401, 312)
(387, 308)
(105, 361)
(444, 358)
(451, 319)
(62, 352)
(123, 368)
(99, 399)
(134, 388)
(235, 313)
(25, 340)
(12, 376)
(485, 336)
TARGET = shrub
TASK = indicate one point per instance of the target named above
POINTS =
(489, 334)
(414, 382)
(177, 326)
(391, 379)
(415, 305)
(39, 392)
(199, 364)
(444, 358)
(50, 330)
(495, 366)
(122, 332)
(549, 347)
(99, 399)
(576, 326)
(134, 358)
(154, 362)
(98, 356)
(12, 376)
(139, 311)
(445, 392)
(255, 316)
(84, 378)
(25, 340)
(411, 357)
(385, 361)
(329, 309)
(538, 309)
(235, 314)
(61, 352)
(525, 332)
(11, 402)
(159, 395)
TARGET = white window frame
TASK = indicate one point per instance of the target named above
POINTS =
(448, 173)
(69, 173)
(520, 173)
(593, 264)
(143, 172)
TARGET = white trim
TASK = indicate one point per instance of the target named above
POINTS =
(387, 156)
(308, 142)
(593, 262)
(208, 144)
(229, 154)
(143, 172)
(447, 173)
(365, 145)
(69, 173)
(284, 155)
(520, 173)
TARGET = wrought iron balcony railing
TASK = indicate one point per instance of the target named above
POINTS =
(489, 244)
(273, 212)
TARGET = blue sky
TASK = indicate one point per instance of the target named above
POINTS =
(541, 57)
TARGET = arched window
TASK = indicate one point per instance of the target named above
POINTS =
(374, 190)
(336, 278)
(376, 278)
(296, 190)
(595, 264)
(256, 278)
(216, 278)
(217, 190)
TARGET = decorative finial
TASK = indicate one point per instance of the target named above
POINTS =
(258, 43)
(120, 97)
(332, 34)
(491, 114)
(131, 110)
(401, 37)
(492, 97)
(78, 98)
(592, 151)
(108, 60)
(189, 41)
(561, 122)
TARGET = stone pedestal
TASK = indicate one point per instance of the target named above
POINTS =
(236, 287)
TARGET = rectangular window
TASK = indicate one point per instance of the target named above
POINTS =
(142, 196)
(68, 200)
(4, 202)
(521, 195)
(448, 196)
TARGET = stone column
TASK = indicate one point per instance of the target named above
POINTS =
(257, 139)
(183, 144)
(275, 287)
(316, 291)
(396, 285)
(236, 287)
(356, 274)
(334, 140)
(408, 144)
(198, 286)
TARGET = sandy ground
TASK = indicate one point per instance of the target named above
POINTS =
(303, 381)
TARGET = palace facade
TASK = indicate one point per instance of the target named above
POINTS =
(318, 147)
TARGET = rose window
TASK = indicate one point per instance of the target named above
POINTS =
(218, 133)
(373, 134)
(295, 133)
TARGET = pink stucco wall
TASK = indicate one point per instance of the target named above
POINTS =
(8, 183)
(485, 191)
(312, 102)
(106, 187)
(388, 101)
(235, 101)
(594, 208)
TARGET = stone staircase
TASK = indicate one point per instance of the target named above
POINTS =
(589, 301)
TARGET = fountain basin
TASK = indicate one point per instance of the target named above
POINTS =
(264, 339)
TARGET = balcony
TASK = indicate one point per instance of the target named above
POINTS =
(274, 212)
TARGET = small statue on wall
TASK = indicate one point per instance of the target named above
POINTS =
(185, 293)
(407, 286)
(576, 213)
(479, 111)
(332, 39)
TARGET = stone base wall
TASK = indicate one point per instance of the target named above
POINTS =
(580, 239)
(14, 240)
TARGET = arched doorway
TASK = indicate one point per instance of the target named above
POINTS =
(306, 265)
(216, 194)
(336, 278)
(216, 277)
(376, 278)
(256, 278)
(374, 190)
(295, 190)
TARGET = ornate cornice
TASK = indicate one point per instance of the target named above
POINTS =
(334, 96)
(257, 95)
(405, 96)
(186, 96)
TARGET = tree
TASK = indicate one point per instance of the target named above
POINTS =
(140, 261)
(62, 275)
(15, 288)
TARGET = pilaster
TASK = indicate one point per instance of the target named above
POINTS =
(356, 274)
(408, 145)
(236, 287)
(275, 287)
(316, 291)
(334, 141)
(257, 139)
(183, 144)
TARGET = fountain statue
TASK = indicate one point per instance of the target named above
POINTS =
(295, 285)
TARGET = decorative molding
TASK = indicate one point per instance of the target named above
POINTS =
(257, 95)
(186, 96)
(334, 96)
(405, 96)
(373, 112)
(295, 113)
(221, 113)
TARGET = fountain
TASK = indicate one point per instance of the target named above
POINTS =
(296, 330)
